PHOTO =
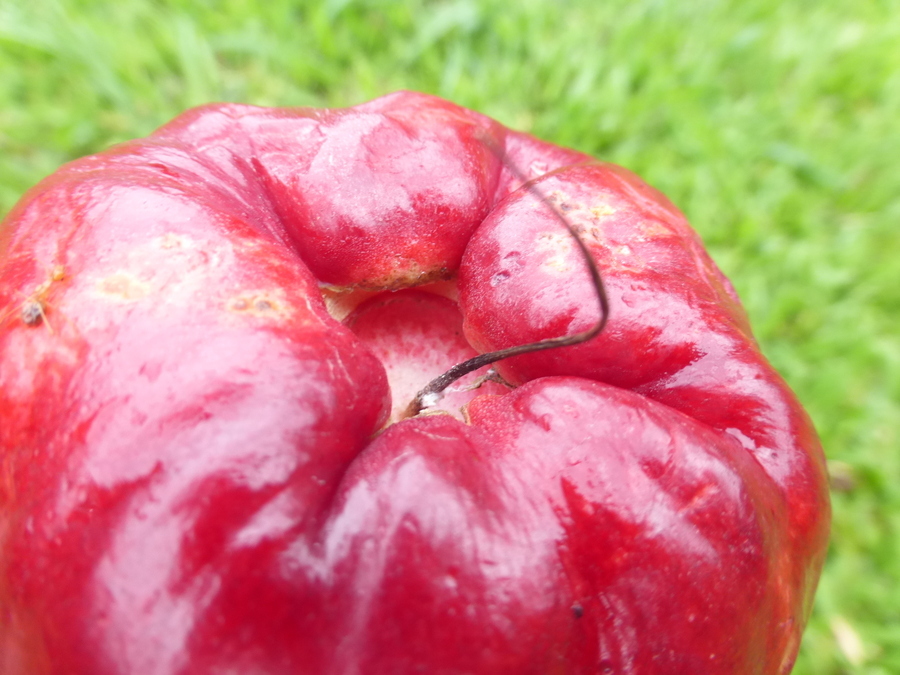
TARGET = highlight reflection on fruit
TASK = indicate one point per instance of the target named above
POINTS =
(204, 331)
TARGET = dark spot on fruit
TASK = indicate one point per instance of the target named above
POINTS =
(577, 610)
(262, 305)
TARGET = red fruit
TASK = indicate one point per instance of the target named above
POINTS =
(202, 339)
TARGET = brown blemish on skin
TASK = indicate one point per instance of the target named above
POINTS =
(407, 274)
(257, 304)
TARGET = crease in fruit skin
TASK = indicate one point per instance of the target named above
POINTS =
(242, 461)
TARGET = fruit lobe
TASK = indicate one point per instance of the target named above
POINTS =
(201, 343)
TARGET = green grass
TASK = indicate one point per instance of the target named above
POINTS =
(775, 125)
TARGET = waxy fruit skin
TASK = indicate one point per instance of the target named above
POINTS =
(196, 476)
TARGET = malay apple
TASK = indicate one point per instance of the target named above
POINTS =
(209, 343)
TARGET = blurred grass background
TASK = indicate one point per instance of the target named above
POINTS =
(774, 124)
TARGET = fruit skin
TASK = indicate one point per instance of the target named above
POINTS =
(189, 481)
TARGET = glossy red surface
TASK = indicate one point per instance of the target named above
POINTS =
(193, 477)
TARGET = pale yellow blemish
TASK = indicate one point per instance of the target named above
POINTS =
(602, 210)
(172, 240)
(586, 221)
(653, 229)
(123, 286)
(558, 265)
(558, 247)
